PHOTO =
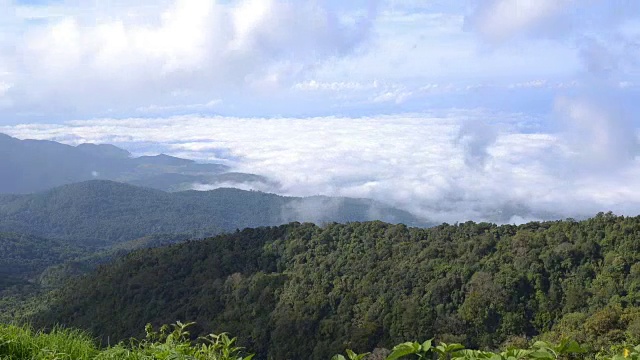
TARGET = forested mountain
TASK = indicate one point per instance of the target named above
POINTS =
(24, 256)
(35, 165)
(302, 291)
(35, 261)
(102, 213)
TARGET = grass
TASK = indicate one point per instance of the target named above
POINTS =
(22, 342)
(173, 343)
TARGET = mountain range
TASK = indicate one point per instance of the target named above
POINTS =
(80, 249)
(35, 165)
(103, 213)
(65, 209)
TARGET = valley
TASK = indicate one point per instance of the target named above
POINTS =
(306, 277)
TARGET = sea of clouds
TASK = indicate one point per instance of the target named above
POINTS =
(452, 166)
(546, 126)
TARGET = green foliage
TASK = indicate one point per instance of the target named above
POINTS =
(105, 213)
(25, 256)
(303, 291)
(540, 351)
(17, 343)
(175, 342)
(31, 268)
(350, 355)
(420, 350)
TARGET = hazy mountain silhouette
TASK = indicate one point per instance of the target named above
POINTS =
(103, 213)
(28, 166)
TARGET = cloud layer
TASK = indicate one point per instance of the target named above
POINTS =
(453, 167)
(69, 59)
(500, 20)
(77, 59)
(501, 110)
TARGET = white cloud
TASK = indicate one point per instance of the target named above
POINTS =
(86, 58)
(604, 34)
(191, 108)
(499, 20)
(530, 84)
(4, 87)
(600, 139)
(74, 59)
(313, 85)
(257, 58)
(397, 95)
(464, 165)
(625, 84)
(247, 186)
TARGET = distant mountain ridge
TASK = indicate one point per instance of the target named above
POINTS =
(64, 209)
(103, 213)
(29, 166)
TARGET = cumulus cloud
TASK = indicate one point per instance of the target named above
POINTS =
(126, 56)
(475, 138)
(499, 20)
(70, 59)
(599, 137)
(604, 34)
(313, 85)
(593, 116)
(426, 164)
(560, 79)
(614, 57)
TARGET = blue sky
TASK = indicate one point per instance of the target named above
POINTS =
(524, 108)
(72, 60)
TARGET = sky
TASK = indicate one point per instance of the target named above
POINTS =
(497, 110)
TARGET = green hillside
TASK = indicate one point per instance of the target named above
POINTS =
(24, 257)
(103, 213)
(302, 291)
(31, 267)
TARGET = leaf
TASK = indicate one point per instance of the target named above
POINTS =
(338, 357)
(403, 349)
(426, 346)
(516, 353)
(453, 347)
(572, 347)
(542, 354)
(475, 354)
(353, 356)
(541, 345)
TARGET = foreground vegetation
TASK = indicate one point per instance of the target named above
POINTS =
(17, 343)
(301, 291)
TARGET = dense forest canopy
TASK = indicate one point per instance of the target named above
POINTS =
(23, 256)
(304, 291)
(104, 213)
